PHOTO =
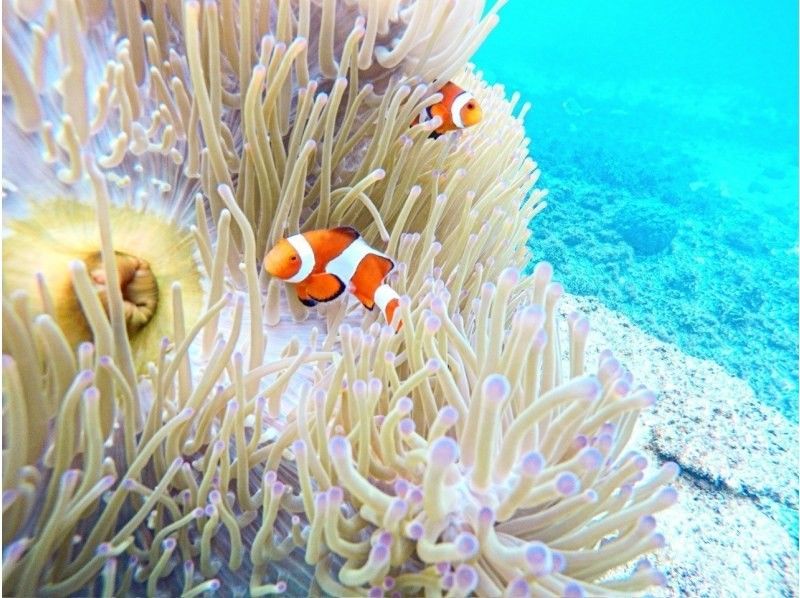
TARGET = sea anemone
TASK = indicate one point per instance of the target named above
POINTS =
(151, 255)
(190, 450)
(481, 468)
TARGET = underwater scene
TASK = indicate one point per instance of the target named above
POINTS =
(398, 298)
(666, 133)
(672, 169)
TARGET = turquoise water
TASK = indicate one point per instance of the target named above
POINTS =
(667, 135)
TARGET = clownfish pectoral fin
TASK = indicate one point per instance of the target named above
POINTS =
(302, 295)
(347, 231)
(324, 287)
(307, 301)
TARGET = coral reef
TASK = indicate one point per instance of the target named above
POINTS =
(725, 276)
(250, 445)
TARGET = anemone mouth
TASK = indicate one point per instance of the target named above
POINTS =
(137, 283)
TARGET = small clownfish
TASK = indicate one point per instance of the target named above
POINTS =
(323, 263)
(458, 109)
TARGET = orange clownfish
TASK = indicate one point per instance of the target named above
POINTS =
(458, 109)
(323, 263)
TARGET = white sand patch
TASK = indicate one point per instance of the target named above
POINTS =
(738, 457)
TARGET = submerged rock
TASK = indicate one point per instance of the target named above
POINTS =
(646, 228)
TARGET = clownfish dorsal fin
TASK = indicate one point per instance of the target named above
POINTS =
(348, 231)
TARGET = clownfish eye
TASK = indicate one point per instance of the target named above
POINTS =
(471, 105)
(294, 258)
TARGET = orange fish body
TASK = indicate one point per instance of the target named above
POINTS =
(458, 109)
(323, 263)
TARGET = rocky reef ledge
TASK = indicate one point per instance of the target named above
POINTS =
(734, 529)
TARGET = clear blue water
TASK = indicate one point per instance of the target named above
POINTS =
(666, 132)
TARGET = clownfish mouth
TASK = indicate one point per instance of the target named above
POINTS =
(278, 264)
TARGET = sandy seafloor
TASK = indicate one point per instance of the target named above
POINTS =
(729, 533)
(672, 220)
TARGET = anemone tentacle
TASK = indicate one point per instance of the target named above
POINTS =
(177, 422)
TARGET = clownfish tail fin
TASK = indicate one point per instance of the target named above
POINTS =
(391, 307)
(388, 300)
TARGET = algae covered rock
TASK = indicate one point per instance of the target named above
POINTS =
(647, 229)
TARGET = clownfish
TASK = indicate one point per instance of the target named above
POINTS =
(458, 109)
(323, 263)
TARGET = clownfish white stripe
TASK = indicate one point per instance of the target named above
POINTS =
(344, 265)
(459, 102)
(325, 263)
(424, 115)
(306, 256)
(383, 295)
